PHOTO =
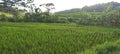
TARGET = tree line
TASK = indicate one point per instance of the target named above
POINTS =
(109, 17)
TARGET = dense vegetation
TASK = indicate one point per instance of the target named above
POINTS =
(106, 48)
(8, 10)
(40, 38)
(109, 18)
(106, 14)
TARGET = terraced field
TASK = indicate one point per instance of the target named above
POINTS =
(42, 38)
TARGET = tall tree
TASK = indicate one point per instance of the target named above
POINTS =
(12, 2)
(109, 8)
(48, 6)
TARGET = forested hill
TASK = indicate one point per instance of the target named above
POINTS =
(102, 7)
(69, 11)
(97, 7)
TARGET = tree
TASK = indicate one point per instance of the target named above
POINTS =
(48, 6)
(13, 2)
(109, 8)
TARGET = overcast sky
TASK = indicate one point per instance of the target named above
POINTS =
(69, 4)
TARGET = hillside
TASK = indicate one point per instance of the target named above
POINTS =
(97, 7)
(102, 7)
(69, 11)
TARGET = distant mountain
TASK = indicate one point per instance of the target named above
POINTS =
(102, 7)
(117, 8)
(98, 8)
(69, 11)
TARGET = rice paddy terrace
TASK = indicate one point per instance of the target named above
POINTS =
(43, 38)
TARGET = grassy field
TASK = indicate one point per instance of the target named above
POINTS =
(41, 38)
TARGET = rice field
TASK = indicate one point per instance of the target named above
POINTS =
(43, 38)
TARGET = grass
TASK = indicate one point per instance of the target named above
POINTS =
(41, 38)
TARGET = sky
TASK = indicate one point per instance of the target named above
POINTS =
(69, 4)
(61, 5)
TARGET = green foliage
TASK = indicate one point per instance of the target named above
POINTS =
(40, 38)
(40, 17)
(110, 18)
(105, 48)
(8, 10)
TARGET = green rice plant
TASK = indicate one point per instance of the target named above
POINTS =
(41, 38)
